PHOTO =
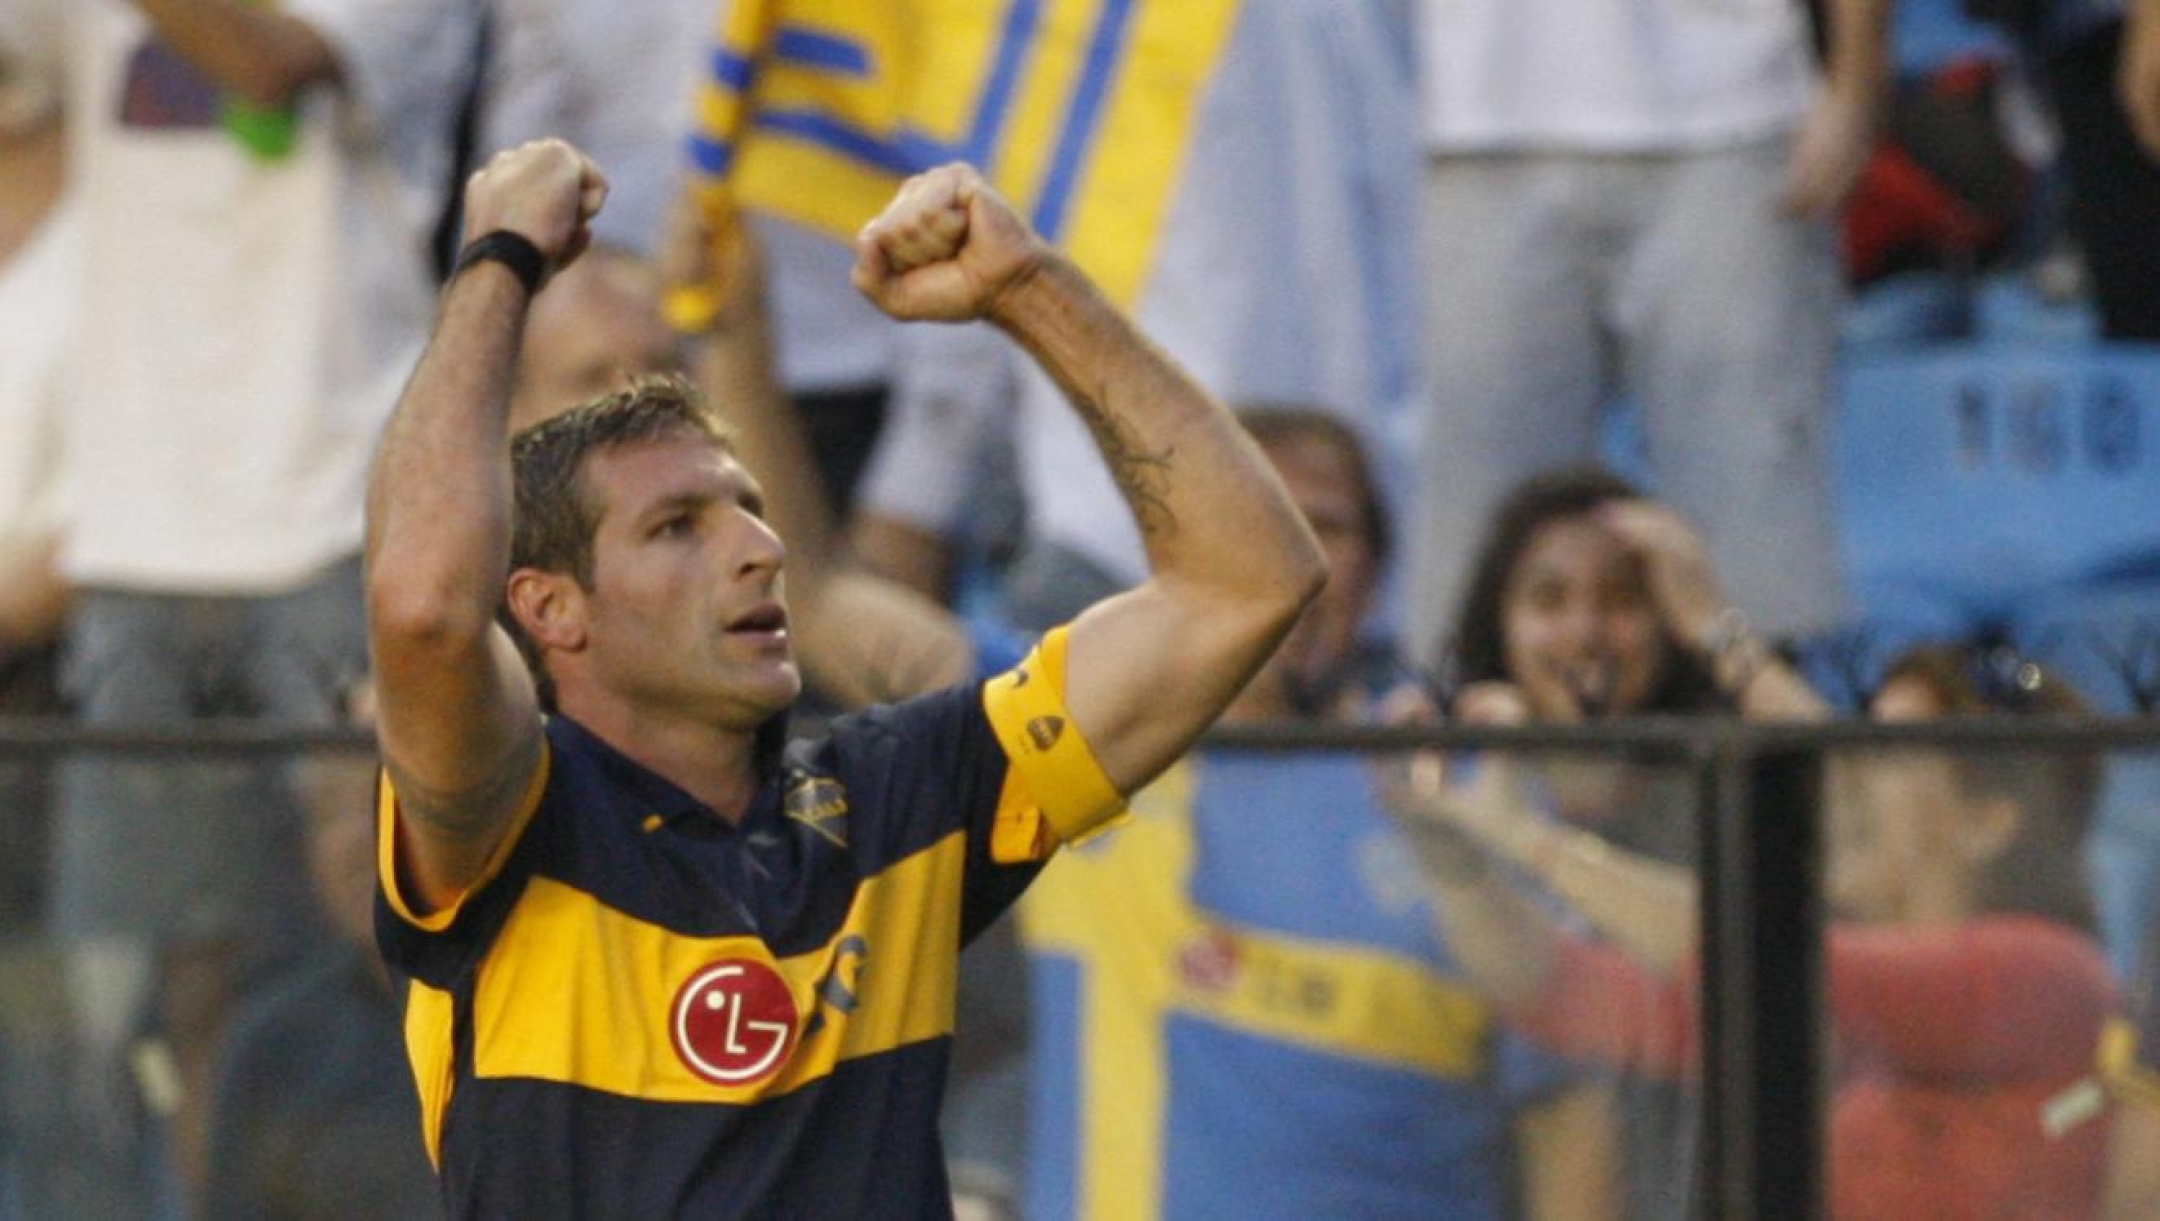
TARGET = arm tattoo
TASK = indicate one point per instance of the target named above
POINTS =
(1142, 478)
(477, 810)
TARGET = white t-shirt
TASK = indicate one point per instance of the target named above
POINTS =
(37, 314)
(615, 80)
(1610, 75)
(252, 320)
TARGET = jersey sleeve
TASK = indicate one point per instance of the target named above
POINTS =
(1000, 761)
(434, 945)
(1055, 791)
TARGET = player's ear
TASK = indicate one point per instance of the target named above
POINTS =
(549, 607)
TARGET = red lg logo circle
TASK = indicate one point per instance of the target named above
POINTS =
(733, 1021)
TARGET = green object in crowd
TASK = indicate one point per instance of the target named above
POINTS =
(267, 132)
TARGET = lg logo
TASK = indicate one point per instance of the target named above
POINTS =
(733, 1022)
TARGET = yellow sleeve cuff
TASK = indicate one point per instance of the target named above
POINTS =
(386, 849)
(1055, 790)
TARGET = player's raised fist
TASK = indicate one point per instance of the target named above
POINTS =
(946, 248)
(544, 190)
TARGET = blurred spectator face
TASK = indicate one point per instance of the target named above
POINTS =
(1325, 484)
(1905, 843)
(1581, 634)
(1883, 815)
(594, 325)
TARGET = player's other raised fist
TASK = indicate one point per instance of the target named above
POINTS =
(543, 190)
(947, 247)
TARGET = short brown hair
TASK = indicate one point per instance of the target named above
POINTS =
(553, 516)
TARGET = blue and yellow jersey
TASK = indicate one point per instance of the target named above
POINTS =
(642, 1011)
(1244, 1009)
(1080, 111)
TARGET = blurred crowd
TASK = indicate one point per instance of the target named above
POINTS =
(1430, 250)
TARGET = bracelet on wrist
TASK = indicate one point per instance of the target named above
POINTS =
(513, 250)
(1735, 654)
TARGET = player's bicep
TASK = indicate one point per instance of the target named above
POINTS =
(1145, 676)
(461, 741)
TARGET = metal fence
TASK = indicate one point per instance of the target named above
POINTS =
(1758, 792)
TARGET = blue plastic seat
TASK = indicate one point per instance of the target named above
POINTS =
(1973, 476)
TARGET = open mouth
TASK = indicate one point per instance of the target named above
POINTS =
(764, 619)
(1592, 684)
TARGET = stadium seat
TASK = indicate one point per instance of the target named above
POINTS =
(1973, 476)
(1895, 315)
(2010, 307)
(1926, 34)
(2103, 636)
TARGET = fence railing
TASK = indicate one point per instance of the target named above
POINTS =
(1758, 790)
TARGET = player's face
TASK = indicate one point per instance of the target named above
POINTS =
(1582, 635)
(686, 612)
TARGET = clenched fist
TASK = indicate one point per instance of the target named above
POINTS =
(947, 248)
(543, 190)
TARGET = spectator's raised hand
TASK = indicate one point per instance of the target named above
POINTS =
(1828, 153)
(543, 190)
(1676, 566)
(1480, 800)
(946, 248)
(1684, 586)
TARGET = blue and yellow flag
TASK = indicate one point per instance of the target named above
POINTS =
(1080, 111)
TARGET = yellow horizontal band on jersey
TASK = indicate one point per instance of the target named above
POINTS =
(1055, 778)
(577, 992)
(386, 840)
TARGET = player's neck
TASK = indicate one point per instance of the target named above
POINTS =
(713, 763)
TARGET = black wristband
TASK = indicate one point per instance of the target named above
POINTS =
(513, 250)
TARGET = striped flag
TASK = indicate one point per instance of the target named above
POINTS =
(1080, 111)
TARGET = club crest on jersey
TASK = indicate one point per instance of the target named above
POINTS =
(733, 1022)
(819, 803)
(1045, 731)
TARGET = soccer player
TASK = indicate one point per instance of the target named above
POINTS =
(661, 965)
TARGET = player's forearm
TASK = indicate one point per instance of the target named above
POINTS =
(250, 49)
(439, 496)
(1212, 515)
